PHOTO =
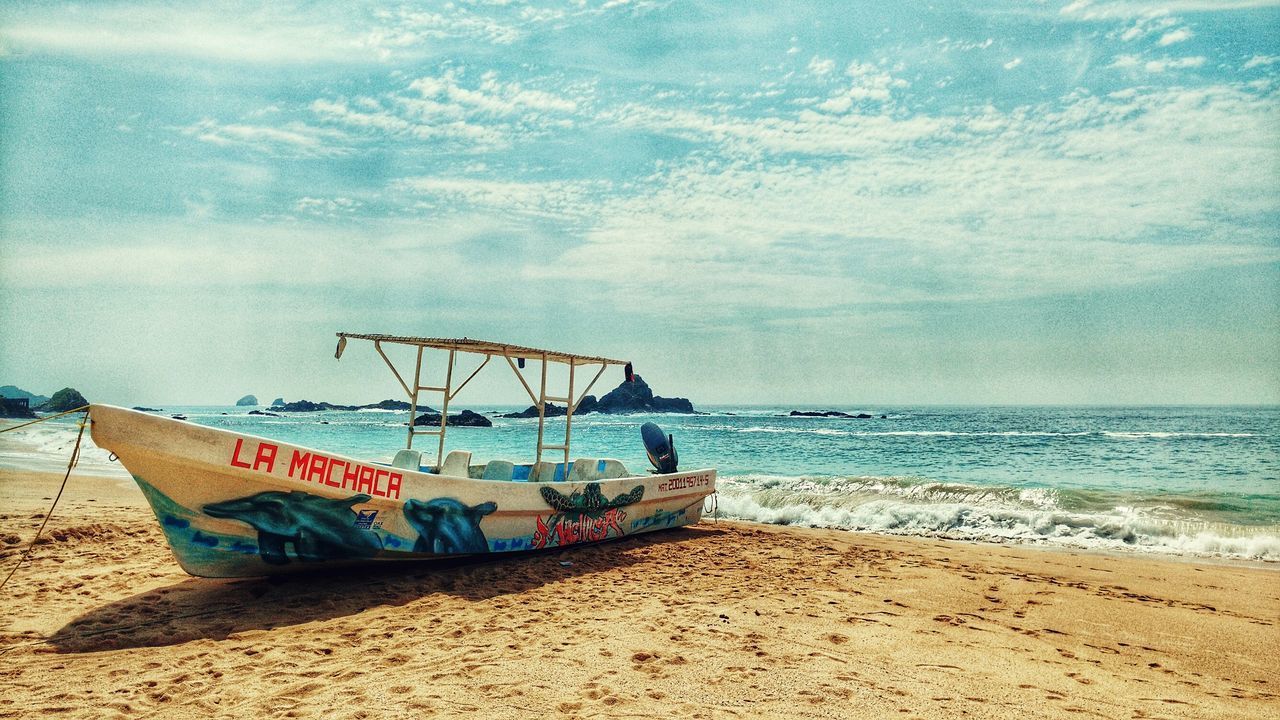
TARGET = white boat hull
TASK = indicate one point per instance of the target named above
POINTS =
(234, 505)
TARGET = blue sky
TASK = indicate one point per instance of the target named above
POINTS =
(846, 202)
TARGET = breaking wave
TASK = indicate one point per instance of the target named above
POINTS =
(910, 506)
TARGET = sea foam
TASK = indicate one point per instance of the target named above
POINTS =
(1032, 515)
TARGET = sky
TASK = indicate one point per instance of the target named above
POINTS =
(825, 203)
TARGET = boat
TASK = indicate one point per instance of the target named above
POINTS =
(238, 505)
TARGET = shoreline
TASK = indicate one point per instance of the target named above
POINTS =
(771, 621)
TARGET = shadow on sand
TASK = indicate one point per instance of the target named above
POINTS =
(201, 608)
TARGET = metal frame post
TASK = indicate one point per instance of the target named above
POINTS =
(444, 410)
(413, 399)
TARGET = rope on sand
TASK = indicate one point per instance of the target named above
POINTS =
(75, 457)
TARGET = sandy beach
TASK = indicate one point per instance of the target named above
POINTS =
(719, 620)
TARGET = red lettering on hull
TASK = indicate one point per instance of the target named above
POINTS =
(323, 470)
(560, 530)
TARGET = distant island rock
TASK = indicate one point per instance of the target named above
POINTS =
(64, 400)
(831, 414)
(308, 406)
(247, 400)
(261, 412)
(466, 418)
(140, 408)
(277, 401)
(629, 397)
(388, 405)
(13, 393)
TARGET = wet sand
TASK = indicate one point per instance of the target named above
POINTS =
(727, 620)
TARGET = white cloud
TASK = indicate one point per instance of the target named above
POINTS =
(488, 114)
(821, 67)
(186, 32)
(1124, 9)
(490, 96)
(327, 207)
(1163, 64)
(871, 85)
(558, 199)
(1260, 61)
(987, 205)
(1175, 36)
(292, 138)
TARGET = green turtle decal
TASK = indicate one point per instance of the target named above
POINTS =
(589, 500)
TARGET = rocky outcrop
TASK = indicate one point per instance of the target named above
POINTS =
(466, 418)
(261, 412)
(633, 397)
(277, 402)
(308, 406)
(64, 400)
(629, 397)
(15, 408)
(831, 414)
(387, 405)
(141, 408)
(549, 409)
(13, 392)
(247, 400)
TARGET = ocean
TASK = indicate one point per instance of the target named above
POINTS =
(1195, 481)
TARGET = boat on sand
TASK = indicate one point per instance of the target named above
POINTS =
(235, 505)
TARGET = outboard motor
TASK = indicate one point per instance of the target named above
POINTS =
(660, 447)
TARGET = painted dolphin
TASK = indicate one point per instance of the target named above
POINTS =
(446, 526)
(319, 528)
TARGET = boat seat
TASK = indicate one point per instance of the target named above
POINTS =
(498, 470)
(456, 463)
(584, 470)
(407, 460)
(591, 469)
(543, 472)
(608, 469)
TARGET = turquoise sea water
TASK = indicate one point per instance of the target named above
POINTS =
(1182, 480)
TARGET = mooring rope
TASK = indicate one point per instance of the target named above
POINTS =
(75, 456)
(82, 408)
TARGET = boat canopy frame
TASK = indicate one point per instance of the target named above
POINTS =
(515, 355)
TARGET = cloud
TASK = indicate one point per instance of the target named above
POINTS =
(261, 34)
(1175, 36)
(189, 32)
(871, 86)
(986, 205)
(1260, 61)
(292, 138)
(1088, 10)
(1163, 64)
(821, 67)
(485, 115)
(566, 200)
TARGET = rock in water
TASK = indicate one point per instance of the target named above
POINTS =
(64, 400)
(549, 410)
(637, 397)
(466, 418)
(628, 397)
(277, 401)
(829, 413)
(247, 400)
(388, 405)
